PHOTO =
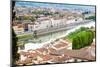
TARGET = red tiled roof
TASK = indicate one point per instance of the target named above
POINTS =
(20, 25)
(65, 57)
(47, 57)
(41, 49)
(32, 55)
(23, 53)
(60, 45)
(51, 49)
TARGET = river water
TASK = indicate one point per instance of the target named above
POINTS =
(41, 40)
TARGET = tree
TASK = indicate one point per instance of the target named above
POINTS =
(76, 43)
(91, 18)
(82, 39)
(32, 18)
(15, 55)
(17, 18)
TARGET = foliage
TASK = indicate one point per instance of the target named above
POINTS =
(25, 36)
(17, 18)
(26, 17)
(15, 55)
(82, 39)
(91, 17)
(32, 18)
(73, 34)
(37, 12)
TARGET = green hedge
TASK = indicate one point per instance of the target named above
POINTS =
(82, 39)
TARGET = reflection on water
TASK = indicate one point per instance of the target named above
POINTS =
(48, 37)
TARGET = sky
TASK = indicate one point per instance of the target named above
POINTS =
(55, 5)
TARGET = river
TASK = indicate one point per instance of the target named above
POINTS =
(47, 38)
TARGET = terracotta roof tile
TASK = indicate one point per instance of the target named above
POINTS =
(41, 50)
(51, 49)
(47, 57)
(32, 55)
(60, 45)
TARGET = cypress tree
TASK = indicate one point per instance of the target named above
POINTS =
(15, 55)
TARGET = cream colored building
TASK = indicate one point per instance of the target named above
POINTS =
(18, 30)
